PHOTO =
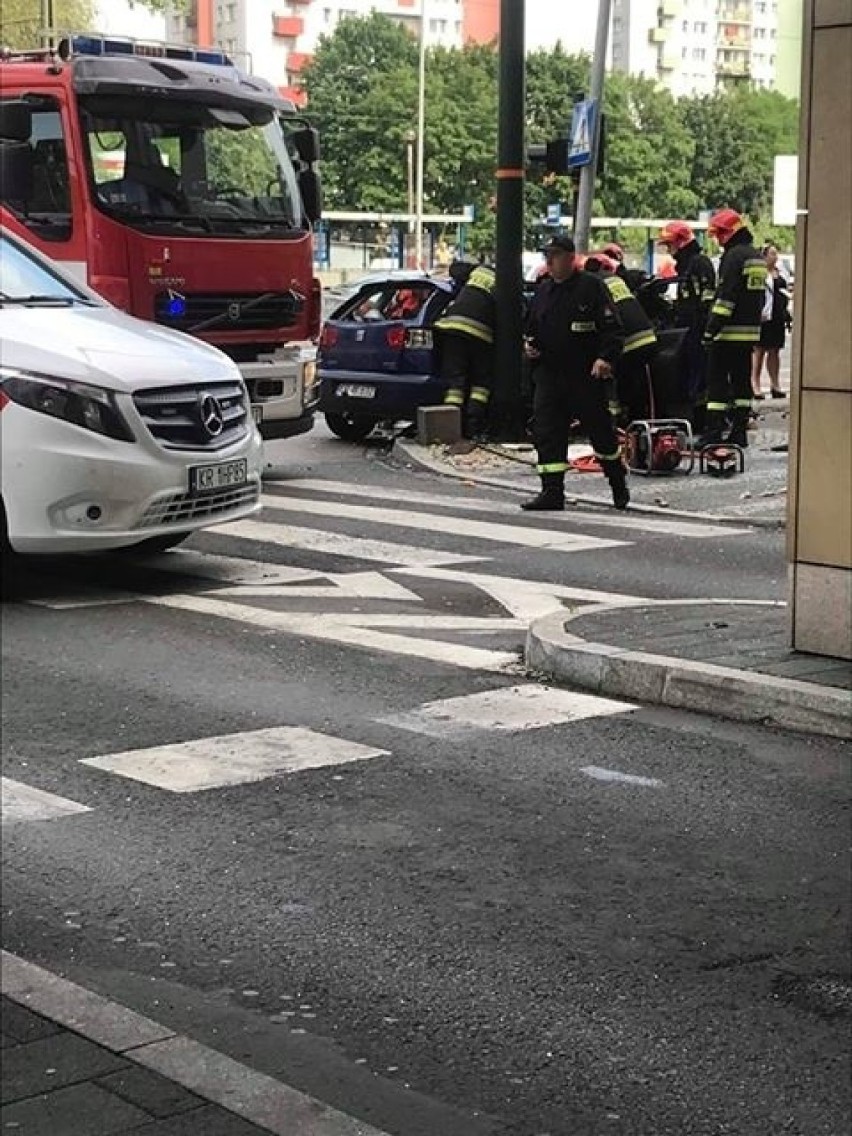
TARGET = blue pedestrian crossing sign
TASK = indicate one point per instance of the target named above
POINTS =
(582, 133)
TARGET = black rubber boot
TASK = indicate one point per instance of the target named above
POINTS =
(739, 427)
(617, 478)
(714, 428)
(551, 499)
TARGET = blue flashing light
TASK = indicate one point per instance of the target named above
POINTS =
(176, 306)
(77, 45)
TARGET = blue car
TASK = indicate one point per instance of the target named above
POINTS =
(377, 358)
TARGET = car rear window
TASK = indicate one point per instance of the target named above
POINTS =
(390, 301)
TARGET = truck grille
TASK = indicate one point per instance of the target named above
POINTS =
(207, 416)
(228, 311)
(174, 508)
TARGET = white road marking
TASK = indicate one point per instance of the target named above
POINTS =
(329, 585)
(509, 709)
(20, 802)
(496, 508)
(462, 527)
(359, 630)
(88, 598)
(340, 544)
(232, 759)
(599, 774)
(525, 599)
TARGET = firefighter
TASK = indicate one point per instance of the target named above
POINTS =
(466, 331)
(631, 390)
(733, 328)
(574, 338)
(696, 287)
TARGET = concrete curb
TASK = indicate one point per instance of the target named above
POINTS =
(684, 684)
(211, 1075)
(414, 452)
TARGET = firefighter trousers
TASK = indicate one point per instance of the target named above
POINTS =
(467, 368)
(560, 398)
(728, 390)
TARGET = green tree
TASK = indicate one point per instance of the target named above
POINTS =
(649, 152)
(22, 24)
(361, 87)
(737, 136)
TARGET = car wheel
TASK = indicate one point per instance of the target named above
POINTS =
(350, 427)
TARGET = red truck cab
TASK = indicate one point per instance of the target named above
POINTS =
(183, 190)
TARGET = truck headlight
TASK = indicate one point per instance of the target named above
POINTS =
(83, 405)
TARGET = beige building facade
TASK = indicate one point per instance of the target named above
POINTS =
(820, 503)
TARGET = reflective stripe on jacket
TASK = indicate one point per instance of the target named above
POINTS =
(472, 312)
(638, 329)
(738, 303)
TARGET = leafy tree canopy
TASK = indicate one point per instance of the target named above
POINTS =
(21, 23)
(664, 157)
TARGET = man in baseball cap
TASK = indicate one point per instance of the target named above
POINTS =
(559, 244)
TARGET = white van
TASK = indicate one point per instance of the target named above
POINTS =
(114, 432)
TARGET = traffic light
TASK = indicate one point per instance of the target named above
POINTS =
(553, 155)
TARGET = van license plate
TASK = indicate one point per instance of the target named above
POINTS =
(223, 475)
(356, 390)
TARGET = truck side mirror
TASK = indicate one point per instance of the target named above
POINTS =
(311, 190)
(307, 144)
(16, 120)
(16, 171)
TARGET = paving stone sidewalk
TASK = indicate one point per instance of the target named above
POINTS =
(57, 1083)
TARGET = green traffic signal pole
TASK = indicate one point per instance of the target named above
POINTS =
(507, 419)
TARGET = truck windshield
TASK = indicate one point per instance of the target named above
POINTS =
(204, 169)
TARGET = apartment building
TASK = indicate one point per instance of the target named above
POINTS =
(700, 46)
(278, 37)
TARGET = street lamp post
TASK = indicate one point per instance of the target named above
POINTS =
(421, 124)
(410, 139)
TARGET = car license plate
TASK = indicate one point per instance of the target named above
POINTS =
(223, 475)
(356, 390)
(257, 414)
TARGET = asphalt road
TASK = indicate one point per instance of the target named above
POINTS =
(464, 903)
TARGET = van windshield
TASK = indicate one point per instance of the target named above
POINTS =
(25, 280)
(205, 169)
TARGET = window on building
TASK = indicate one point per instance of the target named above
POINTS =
(699, 53)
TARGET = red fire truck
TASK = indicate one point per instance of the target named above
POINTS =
(183, 190)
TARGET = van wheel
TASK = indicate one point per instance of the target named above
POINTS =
(155, 544)
(350, 427)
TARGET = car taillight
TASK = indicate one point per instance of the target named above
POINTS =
(328, 338)
(396, 337)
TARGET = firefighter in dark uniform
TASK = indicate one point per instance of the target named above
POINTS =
(631, 391)
(696, 287)
(574, 337)
(466, 331)
(733, 328)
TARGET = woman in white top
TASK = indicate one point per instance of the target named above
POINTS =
(775, 322)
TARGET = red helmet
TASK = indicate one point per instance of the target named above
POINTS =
(724, 224)
(616, 252)
(600, 262)
(677, 235)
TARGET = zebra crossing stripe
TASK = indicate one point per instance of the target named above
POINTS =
(19, 803)
(508, 709)
(463, 527)
(232, 759)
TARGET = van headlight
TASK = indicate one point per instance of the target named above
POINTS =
(90, 407)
